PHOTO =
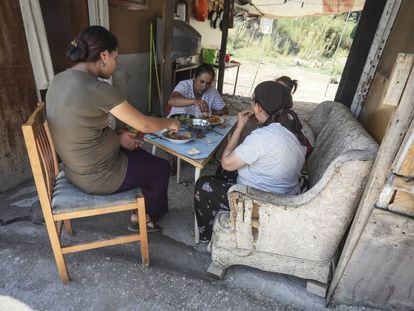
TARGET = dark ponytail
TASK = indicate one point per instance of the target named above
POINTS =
(90, 43)
(290, 84)
(275, 99)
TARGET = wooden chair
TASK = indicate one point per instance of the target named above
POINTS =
(61, 201)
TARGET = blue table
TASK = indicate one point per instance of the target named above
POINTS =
(206, 145)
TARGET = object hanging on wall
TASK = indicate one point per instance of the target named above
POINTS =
(200, 10)
(213, 13)
(219, 15)
(243, 2)
(180, 11)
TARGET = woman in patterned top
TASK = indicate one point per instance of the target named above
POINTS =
(196, 96)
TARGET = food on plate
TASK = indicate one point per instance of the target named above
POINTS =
(182, 117)
(214, 119)
(180, 135)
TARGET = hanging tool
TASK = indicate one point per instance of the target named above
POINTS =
(213, 15)
(218, 16)
(153, 63)
(150, 73)
(154, 55)
(211, 11)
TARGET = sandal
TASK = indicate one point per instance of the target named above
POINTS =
(134, 218)
(151, 227)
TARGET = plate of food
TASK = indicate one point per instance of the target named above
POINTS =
(179, 137)
(214, 120)
(182, 117)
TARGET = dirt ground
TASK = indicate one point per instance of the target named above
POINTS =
(312, 86)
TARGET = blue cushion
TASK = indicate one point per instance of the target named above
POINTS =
(68, 198)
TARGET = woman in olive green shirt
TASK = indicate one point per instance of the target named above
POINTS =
(78, 104)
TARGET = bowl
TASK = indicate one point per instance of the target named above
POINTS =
(179, 137)
(198, 125)
(182, 117)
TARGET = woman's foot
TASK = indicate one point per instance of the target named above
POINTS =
(152, 226)
(134, 218)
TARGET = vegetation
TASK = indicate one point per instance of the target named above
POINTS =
(307, 41)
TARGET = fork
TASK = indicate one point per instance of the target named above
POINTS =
(217, 132)
(153, 135)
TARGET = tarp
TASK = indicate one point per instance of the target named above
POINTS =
(298, 8)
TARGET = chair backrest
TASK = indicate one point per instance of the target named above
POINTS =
(337, 132)
(42, 155)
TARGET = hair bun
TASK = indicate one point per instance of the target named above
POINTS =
(77, 51)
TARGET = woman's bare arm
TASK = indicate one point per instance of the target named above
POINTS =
(145, 124)
(230, 161)
(178, 100)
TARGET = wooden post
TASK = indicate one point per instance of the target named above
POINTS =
(166, 62)
(223, 47)
(383, 30)
(364, 36)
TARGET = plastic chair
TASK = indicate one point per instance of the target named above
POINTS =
(61, 201)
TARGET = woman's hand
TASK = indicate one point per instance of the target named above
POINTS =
(129, 140)
(175, 124)
(202, 104)
(243, 117)
(126, 113)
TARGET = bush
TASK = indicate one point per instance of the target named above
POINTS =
(310, 38)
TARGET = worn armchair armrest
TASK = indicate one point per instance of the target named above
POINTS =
(294, 201)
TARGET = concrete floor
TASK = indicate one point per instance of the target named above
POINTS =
(112, 278)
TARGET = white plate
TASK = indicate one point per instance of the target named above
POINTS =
(218, 120)
(168, 135)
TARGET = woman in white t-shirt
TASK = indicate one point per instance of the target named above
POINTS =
(270, 158)
(197, 96)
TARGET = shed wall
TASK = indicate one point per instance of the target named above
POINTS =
(381, 271)
(375, 115)
(17, 95)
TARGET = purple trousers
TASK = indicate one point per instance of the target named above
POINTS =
(151, 174)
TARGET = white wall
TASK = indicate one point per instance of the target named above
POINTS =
(211, 38)
(131, 79)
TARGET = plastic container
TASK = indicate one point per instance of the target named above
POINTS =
(208, 56)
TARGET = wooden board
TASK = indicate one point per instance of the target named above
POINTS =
(398, 80)
(403, 204)
(380, 273)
